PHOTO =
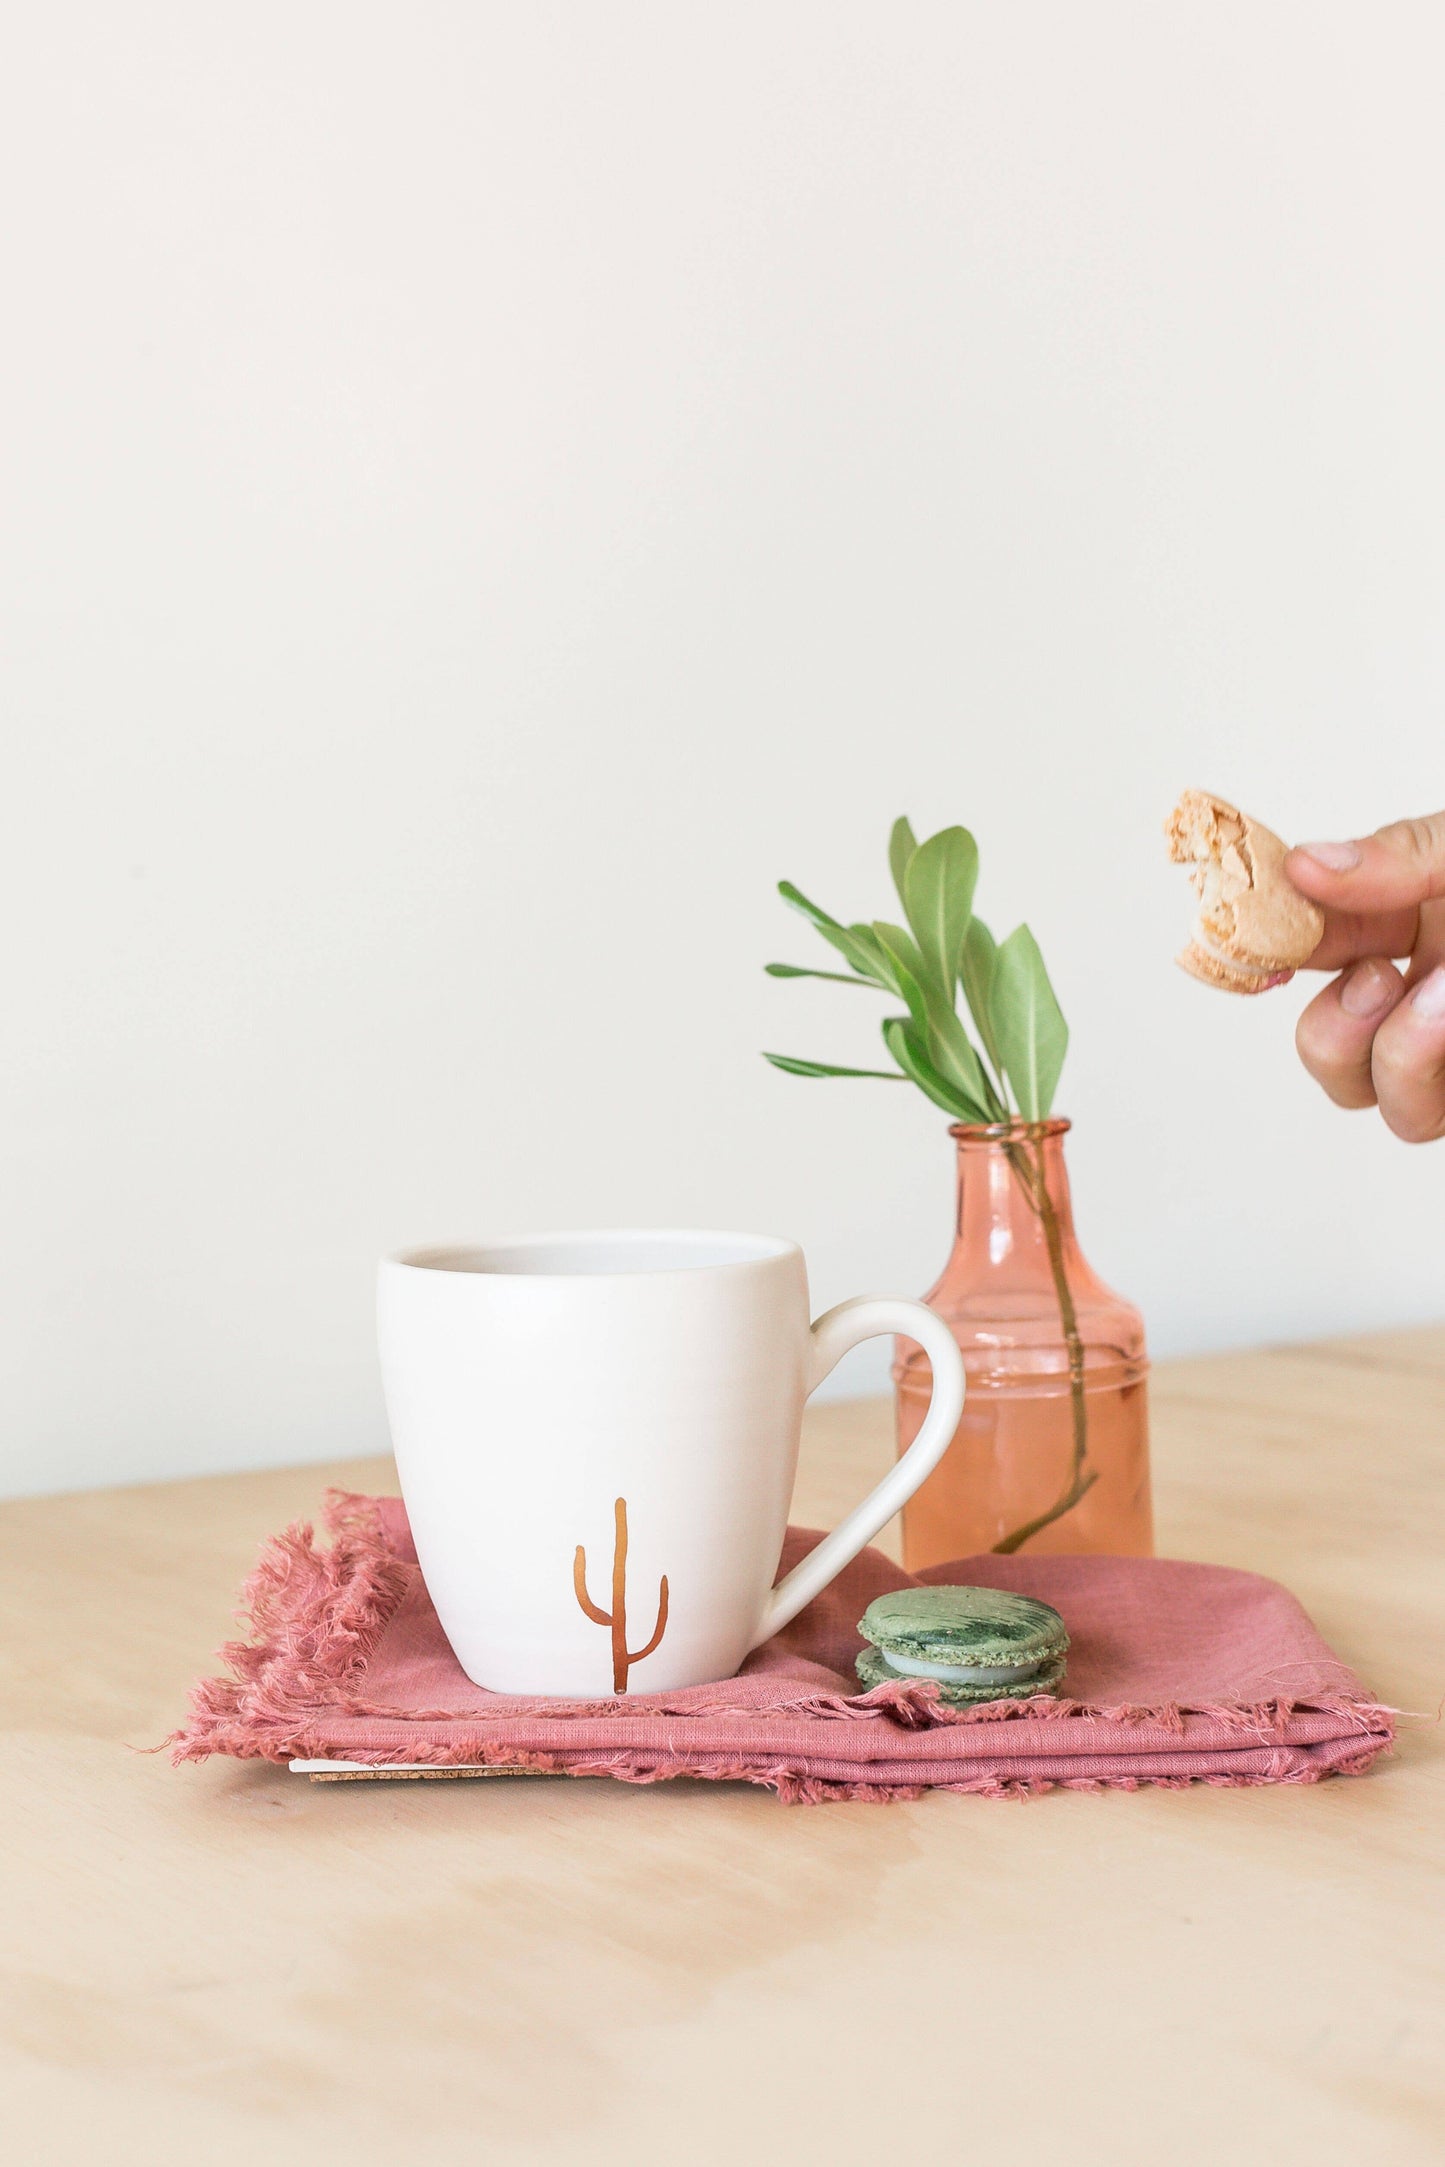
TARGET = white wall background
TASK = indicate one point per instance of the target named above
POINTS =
(489, 488)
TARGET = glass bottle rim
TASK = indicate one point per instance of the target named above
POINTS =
(1013, 1131)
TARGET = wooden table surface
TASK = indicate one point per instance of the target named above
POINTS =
(218, 1962)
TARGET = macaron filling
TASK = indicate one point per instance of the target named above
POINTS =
(914, 1666)
(1278, 974)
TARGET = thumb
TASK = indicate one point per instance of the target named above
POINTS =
(1396, 868)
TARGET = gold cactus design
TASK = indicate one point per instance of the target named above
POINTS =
(622, 1656)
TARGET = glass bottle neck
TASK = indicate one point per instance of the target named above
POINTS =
(1016, 1279)
(1013, 1195)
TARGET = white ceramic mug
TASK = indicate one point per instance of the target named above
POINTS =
(597, 1436)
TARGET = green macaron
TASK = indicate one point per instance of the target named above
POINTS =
(975, 1644)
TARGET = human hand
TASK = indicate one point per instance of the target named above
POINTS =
(1376, 1035)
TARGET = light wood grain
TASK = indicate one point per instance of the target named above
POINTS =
(224, 1963)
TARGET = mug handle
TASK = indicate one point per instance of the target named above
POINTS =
(864, 1317)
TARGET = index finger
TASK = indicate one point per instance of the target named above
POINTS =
(1398, 865)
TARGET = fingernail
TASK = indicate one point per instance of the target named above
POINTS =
(1428, 998)
(1334, 857)
(1366, 989)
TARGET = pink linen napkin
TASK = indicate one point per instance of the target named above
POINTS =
(1177, 1673)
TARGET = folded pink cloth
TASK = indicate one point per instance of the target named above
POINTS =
(1177, 1673)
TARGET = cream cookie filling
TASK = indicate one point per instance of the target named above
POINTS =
(913, 1666)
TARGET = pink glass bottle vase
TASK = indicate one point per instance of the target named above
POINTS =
(1052, 1453)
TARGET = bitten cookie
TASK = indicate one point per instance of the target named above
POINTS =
(1253, 927)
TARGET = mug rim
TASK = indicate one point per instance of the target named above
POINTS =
(445, 1259)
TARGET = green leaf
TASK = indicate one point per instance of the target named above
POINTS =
(867, 945)
(1028, 1023)
(957, 1059)
(901, 845)
(797, 970)
(938, 897)
(976, 970)
(814, 912)
(905, 965)
(840, 936)
(792, 1067)
(902, 1040)
(938, 1035)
